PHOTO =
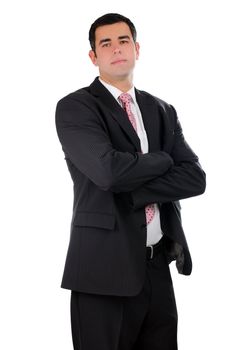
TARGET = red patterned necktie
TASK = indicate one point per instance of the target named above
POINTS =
(126, 103)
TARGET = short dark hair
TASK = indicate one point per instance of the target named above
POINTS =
(109, 18)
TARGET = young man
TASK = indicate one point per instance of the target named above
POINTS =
(130, 165)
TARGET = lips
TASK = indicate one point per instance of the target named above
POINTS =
(118, 61)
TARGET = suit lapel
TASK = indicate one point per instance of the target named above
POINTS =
(106, 99)
(151, 120)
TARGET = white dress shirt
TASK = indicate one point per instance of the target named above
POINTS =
(154, 232)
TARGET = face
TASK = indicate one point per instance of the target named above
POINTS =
(116, 52)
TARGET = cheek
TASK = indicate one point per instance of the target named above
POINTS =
(104, 62)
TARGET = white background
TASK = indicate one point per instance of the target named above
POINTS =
(185, 60)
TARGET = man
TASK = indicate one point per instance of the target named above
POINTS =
(130, 165)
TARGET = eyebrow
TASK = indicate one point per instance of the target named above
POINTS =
(106, 40)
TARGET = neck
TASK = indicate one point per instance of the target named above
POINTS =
(122, 84)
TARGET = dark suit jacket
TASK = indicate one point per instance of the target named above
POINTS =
(114, 181)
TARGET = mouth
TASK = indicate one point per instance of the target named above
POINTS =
(118, 61)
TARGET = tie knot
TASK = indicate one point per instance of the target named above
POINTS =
(125, 98)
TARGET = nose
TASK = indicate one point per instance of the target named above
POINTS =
(116, 50)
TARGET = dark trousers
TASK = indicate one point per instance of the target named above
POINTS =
(147, 321)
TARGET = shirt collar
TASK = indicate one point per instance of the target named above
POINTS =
(116, 92)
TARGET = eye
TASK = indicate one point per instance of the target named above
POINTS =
(123, 41)
(106, 45)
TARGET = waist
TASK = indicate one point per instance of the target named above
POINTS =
(154, 249)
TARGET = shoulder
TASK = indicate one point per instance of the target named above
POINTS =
(80, 95)
(165, 106)
(79, 106)
(77, 103)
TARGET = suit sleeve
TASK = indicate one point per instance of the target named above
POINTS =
(86, 143)
(184, 179)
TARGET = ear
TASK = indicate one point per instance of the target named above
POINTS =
(93, 57)
(137, 48)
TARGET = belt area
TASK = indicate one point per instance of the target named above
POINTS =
(155, 249)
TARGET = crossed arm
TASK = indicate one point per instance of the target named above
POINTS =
(151, 177)
(184, 179)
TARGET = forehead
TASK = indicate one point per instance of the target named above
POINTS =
(112, 31)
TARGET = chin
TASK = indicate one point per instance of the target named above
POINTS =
(122, 72)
